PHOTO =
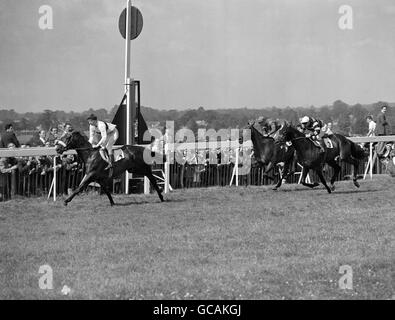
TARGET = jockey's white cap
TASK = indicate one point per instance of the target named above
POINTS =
(305, 119)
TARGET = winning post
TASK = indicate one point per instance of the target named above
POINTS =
(130, 26)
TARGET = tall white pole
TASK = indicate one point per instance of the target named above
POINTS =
(128, 41)
(54, 178)
(237, 167)
(371, 159)
(167, 168)
(127, 81)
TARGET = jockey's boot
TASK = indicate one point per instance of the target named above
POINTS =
(110, 161)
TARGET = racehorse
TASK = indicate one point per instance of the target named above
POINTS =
(133, 162)
(310, 156)
(268, 152)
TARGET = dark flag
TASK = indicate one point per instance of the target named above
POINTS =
(120, 121)
(141, 129)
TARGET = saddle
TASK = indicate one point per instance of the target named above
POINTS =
(118, 153)
(104, 153)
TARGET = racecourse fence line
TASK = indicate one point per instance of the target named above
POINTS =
(28, 183)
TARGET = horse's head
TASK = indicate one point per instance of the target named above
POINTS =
(250, 124)
(286, 132)
(70, 141)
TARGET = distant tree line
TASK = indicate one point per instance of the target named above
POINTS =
(346, 119)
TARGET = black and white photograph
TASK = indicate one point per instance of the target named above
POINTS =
(197, 154)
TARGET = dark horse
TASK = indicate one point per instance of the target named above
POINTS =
(133, 162)
(268, 152)
(311, 157)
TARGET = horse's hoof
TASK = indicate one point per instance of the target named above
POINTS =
(65, 203)
(275, 189)
(316, 184)
(356, 183)
(333, 187)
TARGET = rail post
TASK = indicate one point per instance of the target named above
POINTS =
(167, 168)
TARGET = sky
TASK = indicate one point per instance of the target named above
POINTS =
(209, 53)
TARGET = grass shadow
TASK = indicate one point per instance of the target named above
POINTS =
(117, 204)
(130, 203)
(300, 189)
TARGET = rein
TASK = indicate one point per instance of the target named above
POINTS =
(299, 138)
(87, 148)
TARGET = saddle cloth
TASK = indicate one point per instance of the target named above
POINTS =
(327, 141)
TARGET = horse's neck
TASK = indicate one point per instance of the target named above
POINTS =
(84, 151)
(257, 138)
(302, 144)
(260, 143)
(84, 154)
(296, 133)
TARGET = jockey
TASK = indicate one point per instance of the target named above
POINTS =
(262, 121)
(273, 125)
(109, 135)
(312, 129)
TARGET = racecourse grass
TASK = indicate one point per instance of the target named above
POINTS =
(211, 243)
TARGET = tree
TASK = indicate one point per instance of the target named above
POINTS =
(47, 119)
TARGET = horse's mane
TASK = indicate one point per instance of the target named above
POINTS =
(288, 125)
(260, 135)
(80, 137)
(81, 134)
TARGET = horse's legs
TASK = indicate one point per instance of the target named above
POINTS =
(305, 171)
(336, 171)
(155, 185)
(267, 169)
(284, 175)
(355, 165)
(104, 186)
(83, 184)
(322, 178)
(280, 180)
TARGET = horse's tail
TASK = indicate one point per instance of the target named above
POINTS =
(357, 151)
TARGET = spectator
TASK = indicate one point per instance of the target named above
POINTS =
(68, 128)
(382, 129)
(9, 137)
(382, 126)
(52, 136)
(372, 126)
(8, 164)
(41, 142)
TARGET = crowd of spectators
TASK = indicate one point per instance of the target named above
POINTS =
(21, 167)
(41, 164)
